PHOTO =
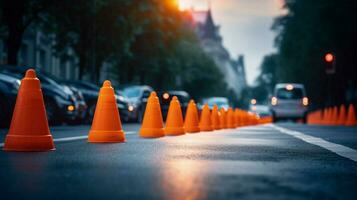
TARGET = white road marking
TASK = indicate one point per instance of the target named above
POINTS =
(66, 139)
(335, 148)
(70, 138)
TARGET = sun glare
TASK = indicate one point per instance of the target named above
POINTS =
(185, 4)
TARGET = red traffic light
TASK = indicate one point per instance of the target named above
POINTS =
(330, 63)
(329, 57)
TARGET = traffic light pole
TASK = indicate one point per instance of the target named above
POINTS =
(330, 69)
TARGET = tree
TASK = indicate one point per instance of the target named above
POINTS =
(16, 17)
(268, 75)
(306, 33)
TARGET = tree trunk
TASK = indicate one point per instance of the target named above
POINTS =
(83, 46)
(13, 13)
(13, 43)
(82, 64)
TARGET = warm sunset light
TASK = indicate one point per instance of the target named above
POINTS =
(185, 4)
(196, 4)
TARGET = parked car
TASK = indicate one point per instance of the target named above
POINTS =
(138, 96)
(80, 102)
(221, 102)
(90, 93)
(59, 101)
(289, 102)
(8, 93)
(260, 110)
(166, 97)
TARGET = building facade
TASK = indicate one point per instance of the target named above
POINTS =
(38, 50)
(211, 41)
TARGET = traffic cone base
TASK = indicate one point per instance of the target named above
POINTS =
(29, 143)
(152, 132)
(29, 129)
(106, 136)
(192, 129)
(173, 131)
(206, 129)
(106, 126)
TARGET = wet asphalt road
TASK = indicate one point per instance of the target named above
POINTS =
(258, 162)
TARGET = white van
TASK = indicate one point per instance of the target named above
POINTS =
(289, 102)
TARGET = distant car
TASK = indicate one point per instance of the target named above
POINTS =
(166, 97)
(138, 96)
(260, 110)
(8, 93)
(90, 93)
(80, 103)
(60, 105)
(221, 102)
(289, 102)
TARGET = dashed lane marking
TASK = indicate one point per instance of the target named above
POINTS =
(66, 139)
(335, 148)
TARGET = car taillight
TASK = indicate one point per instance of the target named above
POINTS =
(305, 101)
(274, 101)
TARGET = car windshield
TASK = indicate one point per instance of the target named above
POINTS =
(295, 93)
(132, 92)
(183, 99)
(220, 102)
(88, 86)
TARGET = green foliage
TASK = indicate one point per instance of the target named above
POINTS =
(309, 31)
(146, 41)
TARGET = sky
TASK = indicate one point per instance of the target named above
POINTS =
(245, 27)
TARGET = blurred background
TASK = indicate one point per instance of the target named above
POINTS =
(227, 52)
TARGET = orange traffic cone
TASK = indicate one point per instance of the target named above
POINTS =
(205, 121)
(341, 116)
(174, 120)
(326, 117)
(236, 117)
(152, 126)
(329, 116)
(215, 118)
(230, 118)
(29, 129)
(351, 116)
(242, 120)
(334, 115)
(223, 119)
(106, 126)
(191, 120)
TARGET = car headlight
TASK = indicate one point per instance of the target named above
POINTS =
(274, 101)
(121, 98)
(305, 101)
(15, 86)
(70, 108)
(131, 108)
